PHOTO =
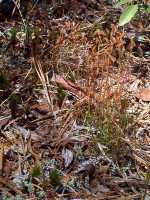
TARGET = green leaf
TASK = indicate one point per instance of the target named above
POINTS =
(128, 14)
(148, 9)
(122, 2)
(13, 33)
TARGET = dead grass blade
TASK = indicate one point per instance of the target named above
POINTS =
(40, 73)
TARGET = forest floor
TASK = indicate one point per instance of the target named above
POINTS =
(74, 104)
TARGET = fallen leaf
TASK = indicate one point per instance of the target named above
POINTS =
(67, 84)
(42, 108)
(143, 94)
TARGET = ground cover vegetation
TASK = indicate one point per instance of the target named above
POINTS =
(74, 100)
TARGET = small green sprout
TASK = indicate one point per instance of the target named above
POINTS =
(55, 177)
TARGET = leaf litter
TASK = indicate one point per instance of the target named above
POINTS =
(74, 120)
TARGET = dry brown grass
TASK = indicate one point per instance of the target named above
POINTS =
(96, 61)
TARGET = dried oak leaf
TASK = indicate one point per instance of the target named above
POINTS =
(143, 94)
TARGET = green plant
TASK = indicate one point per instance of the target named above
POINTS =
(11, 33)
(110, 125)
(130, 9)
(55, 177)
(71, 76)
(61, 94)
(36, 171)
(14, 99)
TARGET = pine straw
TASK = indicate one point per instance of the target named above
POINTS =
(79, 84)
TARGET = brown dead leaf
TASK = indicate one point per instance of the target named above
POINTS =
(143, 94)
(66, 84)
(42, 108)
